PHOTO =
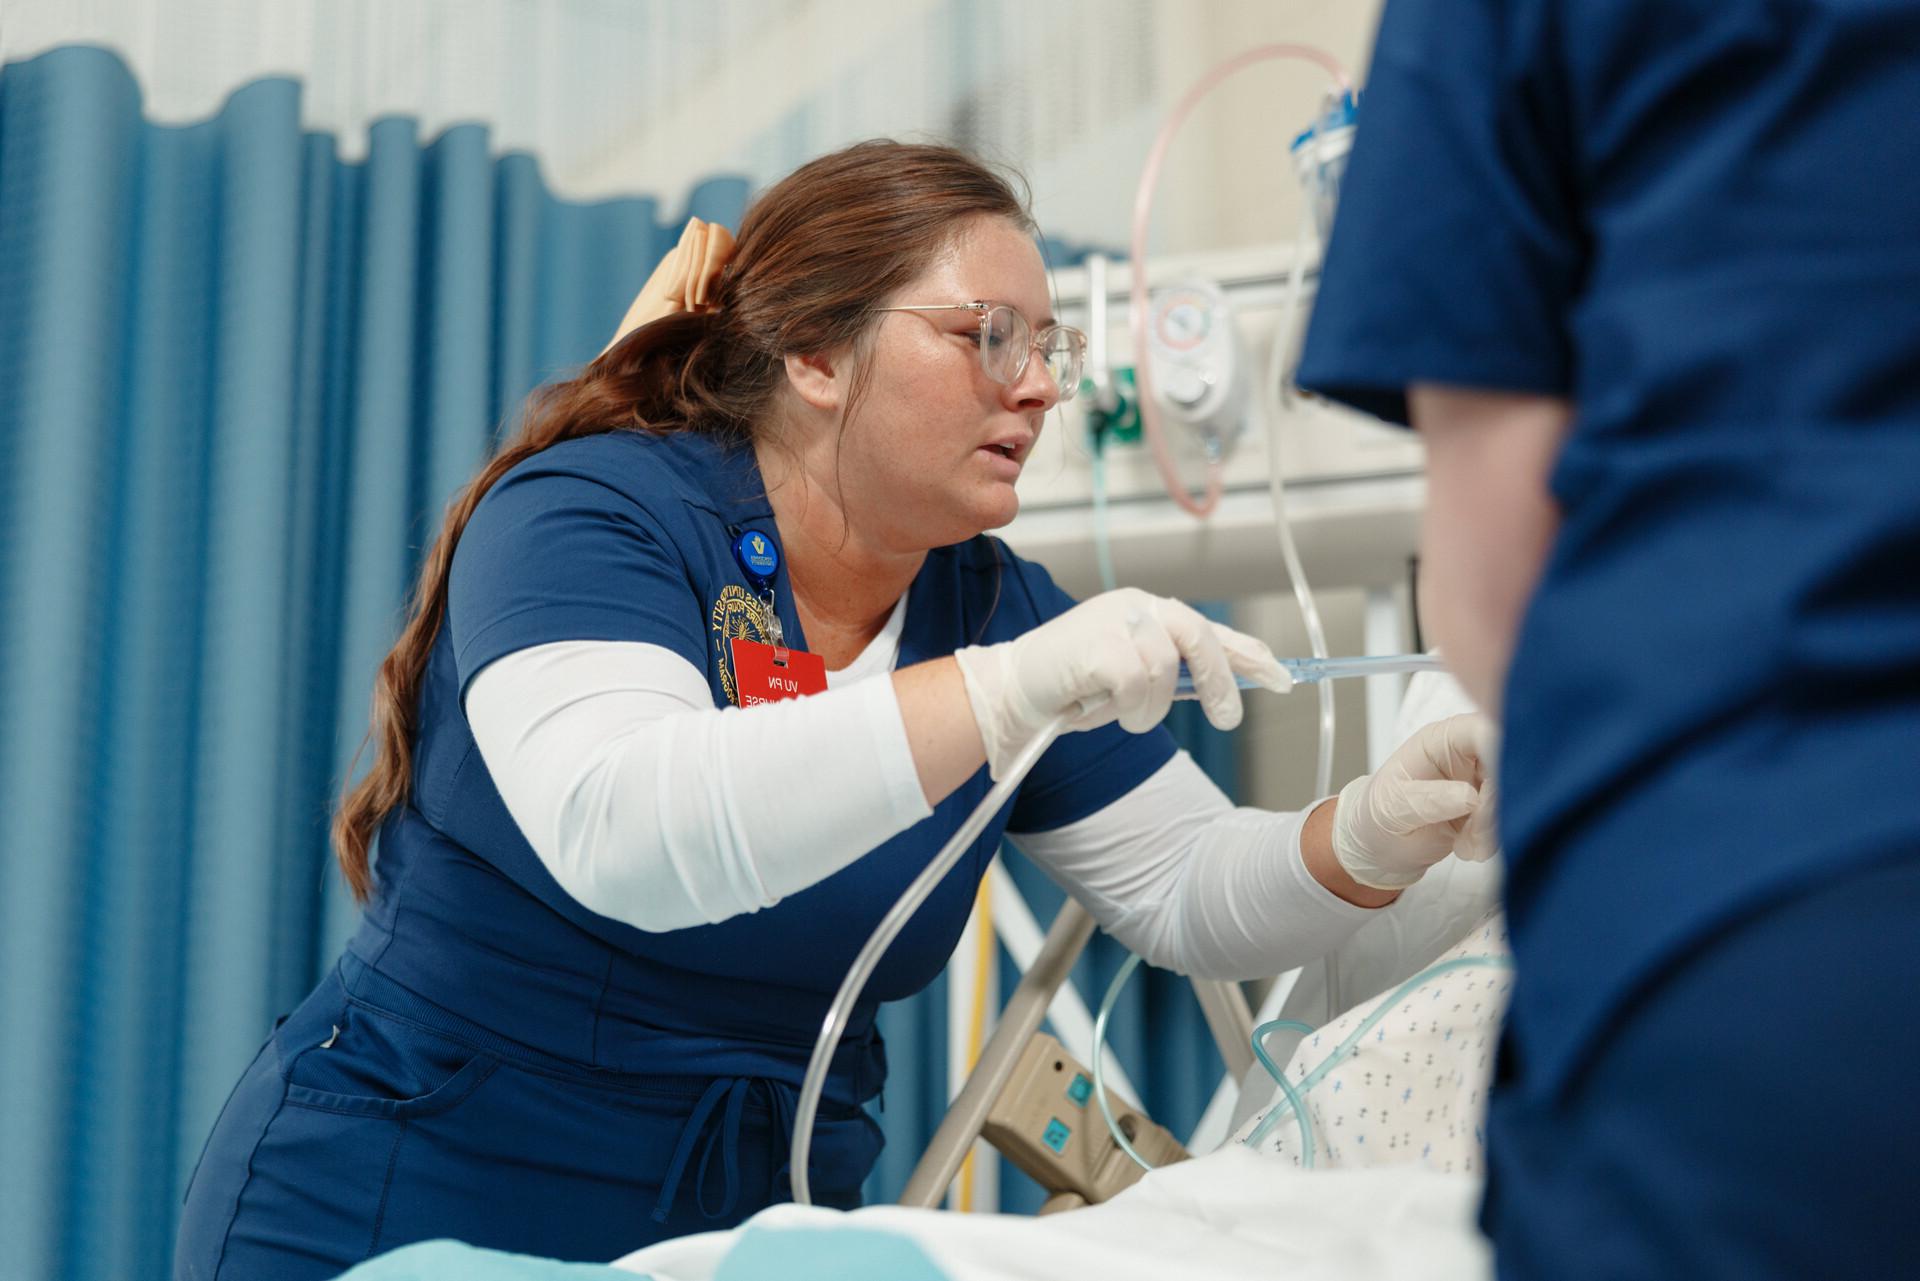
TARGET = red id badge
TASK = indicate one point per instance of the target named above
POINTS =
(765, 674)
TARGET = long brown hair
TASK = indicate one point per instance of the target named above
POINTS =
(815, 251)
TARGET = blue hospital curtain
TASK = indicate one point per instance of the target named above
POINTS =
(239, 380)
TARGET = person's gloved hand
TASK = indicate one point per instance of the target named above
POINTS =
(1113, 657)
(682, 280)
(1433, 796)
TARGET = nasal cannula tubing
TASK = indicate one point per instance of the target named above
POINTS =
(1279, 1076)
(834, 1025)
(1120, 977)
(1345, 1047)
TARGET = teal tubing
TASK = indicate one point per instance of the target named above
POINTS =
(1279, 1075)
(1102, 537)
(1265, 1030)
(1294, 1093)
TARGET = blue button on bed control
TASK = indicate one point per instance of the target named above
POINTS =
(1057, 1135)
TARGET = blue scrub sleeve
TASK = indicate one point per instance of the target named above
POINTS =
(551, 556)
(1454, 255)
(1083, 773)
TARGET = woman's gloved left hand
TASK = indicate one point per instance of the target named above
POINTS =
(1432, 797)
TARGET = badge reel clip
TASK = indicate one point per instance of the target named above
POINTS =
(759, 560)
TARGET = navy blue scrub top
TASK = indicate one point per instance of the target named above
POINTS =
(1698, 220)
(627, 537)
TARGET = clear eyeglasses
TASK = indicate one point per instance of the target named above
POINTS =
(1006, 341)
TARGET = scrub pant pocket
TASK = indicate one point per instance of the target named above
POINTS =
(357, 1131)
(294, 1181)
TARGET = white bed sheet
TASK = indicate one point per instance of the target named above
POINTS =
(1229, 1216)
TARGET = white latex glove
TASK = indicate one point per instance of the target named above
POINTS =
(1432, 797)
(1114, 657)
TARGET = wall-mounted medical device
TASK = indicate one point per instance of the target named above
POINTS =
(1354, 487)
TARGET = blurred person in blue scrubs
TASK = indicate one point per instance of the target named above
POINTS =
(704, 668)
(1645, 275)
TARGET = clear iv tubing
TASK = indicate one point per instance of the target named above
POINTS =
(834, 1026)
(1120, 977)
(1143, 217)
(1270, 404)
(1386, 1007)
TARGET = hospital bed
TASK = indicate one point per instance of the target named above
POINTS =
(1239, 1212)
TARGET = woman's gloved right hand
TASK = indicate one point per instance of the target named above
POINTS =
(1113, 657)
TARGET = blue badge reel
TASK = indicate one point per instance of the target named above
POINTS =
(759, 558)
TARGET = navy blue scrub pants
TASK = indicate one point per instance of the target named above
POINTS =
(1756, 1114)
(357, 1130)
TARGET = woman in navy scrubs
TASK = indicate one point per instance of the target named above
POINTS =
(1646, 277)
(627, 850)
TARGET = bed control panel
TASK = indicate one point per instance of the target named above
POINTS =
(1048, 1123)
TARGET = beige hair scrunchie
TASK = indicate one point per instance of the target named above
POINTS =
(683, 280)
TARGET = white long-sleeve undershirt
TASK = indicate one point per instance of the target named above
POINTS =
(651, 806)
(1192, 884)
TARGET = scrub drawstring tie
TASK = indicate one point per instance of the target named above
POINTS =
(735, 1089)
(785, 1104)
